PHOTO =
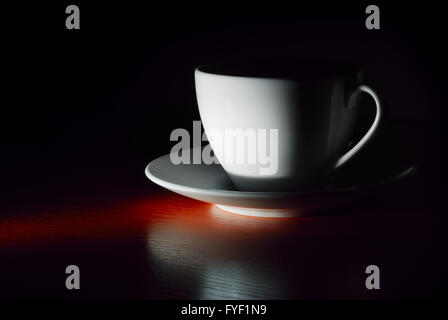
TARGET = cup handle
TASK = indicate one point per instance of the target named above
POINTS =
(373, 128)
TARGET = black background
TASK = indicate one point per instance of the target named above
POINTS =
(110, 93)
(80, 106)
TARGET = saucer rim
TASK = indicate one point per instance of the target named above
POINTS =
(410, 170)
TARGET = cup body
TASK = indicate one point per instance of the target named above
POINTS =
(305, 123)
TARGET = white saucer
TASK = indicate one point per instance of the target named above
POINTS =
(210, 183)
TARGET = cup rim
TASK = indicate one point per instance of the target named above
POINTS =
(336, 69)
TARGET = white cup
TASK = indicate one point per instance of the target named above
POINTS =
(303, 115)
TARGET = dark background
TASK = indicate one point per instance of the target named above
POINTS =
(79, 107)
(110, 93)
